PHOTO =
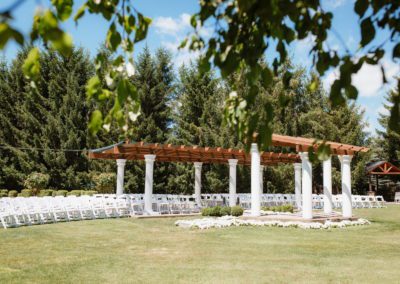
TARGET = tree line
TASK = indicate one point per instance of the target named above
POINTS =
(41, 131)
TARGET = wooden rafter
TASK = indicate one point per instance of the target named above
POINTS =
(382, 168)
(302, 144)
(182, 153)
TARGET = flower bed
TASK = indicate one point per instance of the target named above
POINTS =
(228, 221)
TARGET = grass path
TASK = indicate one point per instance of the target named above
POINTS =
(155, 251)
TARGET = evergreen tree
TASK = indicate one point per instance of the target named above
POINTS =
(198, 121)
(389, 140)
(154, 79)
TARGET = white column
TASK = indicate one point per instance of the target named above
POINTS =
(297, 184)
(261, 179)
(232, 181)
(197, 182)
(255, 181)
(327, 180)
(120, 176)
(148, 185)
(347, 207)
(306, 186)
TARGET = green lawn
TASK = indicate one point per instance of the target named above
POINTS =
(155, 251)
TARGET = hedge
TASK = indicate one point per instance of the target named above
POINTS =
(219, 211)
(12, 193)
(281, 208)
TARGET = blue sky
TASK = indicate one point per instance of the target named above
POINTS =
(171, 25)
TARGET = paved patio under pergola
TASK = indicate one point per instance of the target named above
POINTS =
(257, 160)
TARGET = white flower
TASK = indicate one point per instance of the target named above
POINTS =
(109, 80)
(133, 116)
(130, 69)
(233, 94)
(125, 127)
(97, 1)
(107, 127)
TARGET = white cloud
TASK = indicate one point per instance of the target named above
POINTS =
(173, 31)
(170, 26)
(181, 56)
(333, 4)
(369, 81)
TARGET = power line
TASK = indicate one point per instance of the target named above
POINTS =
(42, 149)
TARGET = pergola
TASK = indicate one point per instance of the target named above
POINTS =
(151, 152)
(380, 168)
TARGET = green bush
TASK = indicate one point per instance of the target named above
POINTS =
(216, 211)
(219, 211)
(105, 182)
(225, 211)
(45, 192)
(281, 208)
(74, 192)
(3, 192)
(60, 193)
(206, 211)
(36, 181)
(88, 192)
(26, 193)
(237, 211)
(12, 193)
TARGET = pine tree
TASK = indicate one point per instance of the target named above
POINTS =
(154, 79)
(388, 140)
(198, 121)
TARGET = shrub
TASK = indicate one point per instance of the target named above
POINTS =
(216, 211)
(206, 211)
(36, 181)
(45, 192)
(3, 192)
(60, 193)
(281, 208)
(12, 193)
(225, 211)
(88, 192)
(105, 182)
(237, 211)
(26, 193)
(74, 192)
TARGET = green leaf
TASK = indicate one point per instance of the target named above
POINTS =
(31, 66)
(367, 31)
(126, 89)
(360, 7)
(96, 121)
(113, 39)
(336, 96)
(79, 14)
(143, 26)
(93, 86)
(7, 33)
(351, 92)
(64, 8)
(323, 152)
(63, 44)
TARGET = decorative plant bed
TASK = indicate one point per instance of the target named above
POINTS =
(228, 221)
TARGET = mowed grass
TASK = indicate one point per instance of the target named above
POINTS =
(155, 251)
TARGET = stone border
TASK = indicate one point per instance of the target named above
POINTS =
(228, 221)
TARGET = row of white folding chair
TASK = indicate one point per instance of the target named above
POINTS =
(177, 204)
(39, 210)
